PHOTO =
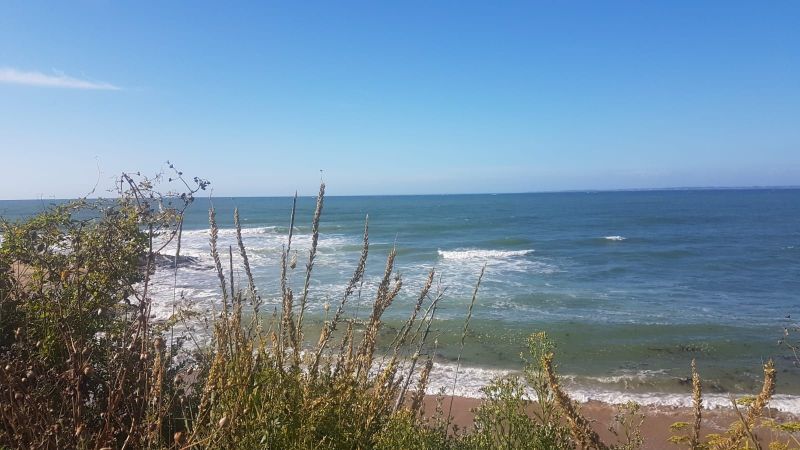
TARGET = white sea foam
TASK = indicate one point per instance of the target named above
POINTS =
(469, 383)
(614, 238)
(337, 255)
(195, 279)
(784, 403)
(472, 379)
(470, 254)
(461, 266)
(204, 233)
(641, 376)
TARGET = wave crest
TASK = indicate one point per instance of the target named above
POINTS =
(467, 254)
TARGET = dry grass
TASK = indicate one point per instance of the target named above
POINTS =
(85, 367)
(697, 407)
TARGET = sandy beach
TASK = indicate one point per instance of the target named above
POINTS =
(655, 428)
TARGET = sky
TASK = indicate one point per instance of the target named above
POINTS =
(407, 97)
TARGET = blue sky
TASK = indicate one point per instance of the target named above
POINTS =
(408, 97)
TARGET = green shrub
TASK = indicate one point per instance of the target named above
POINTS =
(504, 421)
(80, 363)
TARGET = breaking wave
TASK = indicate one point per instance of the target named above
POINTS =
(468, 254)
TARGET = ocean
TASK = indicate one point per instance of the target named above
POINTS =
(630, 285)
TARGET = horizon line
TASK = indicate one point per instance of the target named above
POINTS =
(555, 191)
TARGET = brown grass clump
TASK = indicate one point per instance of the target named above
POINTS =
(744, 427)
(743, 432)
(579, 425)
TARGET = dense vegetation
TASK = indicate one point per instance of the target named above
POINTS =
(83, 365)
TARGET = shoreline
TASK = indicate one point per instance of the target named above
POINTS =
(655, 428)
(471, 379)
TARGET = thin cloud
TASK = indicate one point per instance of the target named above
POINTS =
(57, 80)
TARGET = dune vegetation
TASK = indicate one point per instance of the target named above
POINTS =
(83, 363)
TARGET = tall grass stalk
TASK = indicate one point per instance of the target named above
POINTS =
(312, 254)
(581, 430)
(329, 327)
(461, 346)
(697, 407)
(255, 299)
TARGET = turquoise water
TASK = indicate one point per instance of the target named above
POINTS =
(631, 285)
